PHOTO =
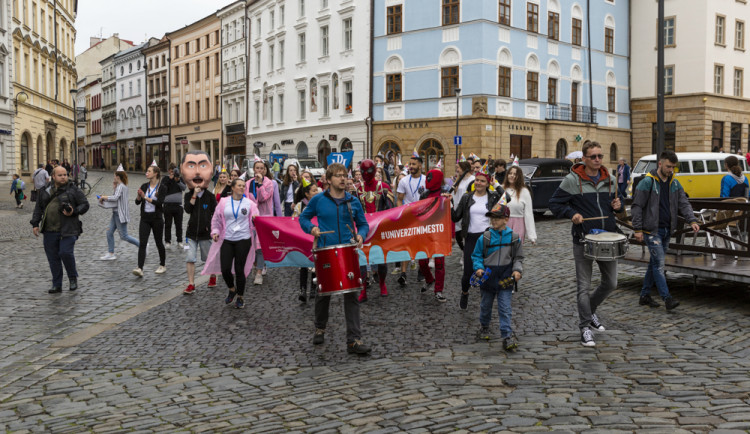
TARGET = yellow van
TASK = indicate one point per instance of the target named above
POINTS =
(699, 173)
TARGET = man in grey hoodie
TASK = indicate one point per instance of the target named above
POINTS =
(173, 205)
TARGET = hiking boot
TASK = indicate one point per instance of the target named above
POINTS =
(319, 337)
(484, 333)
(596, 323)
(587, 337)
(670, 303)
(357, 347)
(402, 279)
(646, 300)
(510, 343)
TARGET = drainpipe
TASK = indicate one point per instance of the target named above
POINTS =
(368, 152)
(57, 54)
(591, 78)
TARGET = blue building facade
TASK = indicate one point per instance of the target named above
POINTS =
(513, 75)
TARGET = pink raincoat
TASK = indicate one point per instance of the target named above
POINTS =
(265, 196)
(213, 262)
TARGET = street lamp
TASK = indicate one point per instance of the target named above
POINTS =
(21, 97)
(458, 92)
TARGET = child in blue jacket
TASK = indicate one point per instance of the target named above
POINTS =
(499, 252)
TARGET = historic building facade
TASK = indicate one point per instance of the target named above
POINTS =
(706, 105)
(513, 77)
(9, 155)
(89, 107)
(309, 81)
(233, 80)
(196, 88)
(157, 100)
(130, 91)
(108, 150)
(44, 74)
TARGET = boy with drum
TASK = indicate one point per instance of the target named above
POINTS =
(339, 214)
(588, 197)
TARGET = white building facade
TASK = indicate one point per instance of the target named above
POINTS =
(233, 80)
(309, 85)
(8, 161)
(89, 97)
(130, 86)
(108, 149)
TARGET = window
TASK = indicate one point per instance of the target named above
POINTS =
(609, 40)
(301, 12)
(302, 107)
(324, 4)
(348, 96)
(187, 74)
(532, 17)
(394, 19)
(718, 78)
(611, 99)
(217, 69)
(325, 100)
(450, 11)
(738, 79)
(503, 87)
(393, 88)
(270, 110)
(281, 16)
(324, 41)
(348, 34)
(177, 113)
(187, 113)
(257, 63)
(272, 19)
(720, 24)
(197, 70)
(449, 81)
(301, 47)
(669, 80)
(198, 110)
(25, 149)
(271, 60)
(735, 137)
(576, 36)
(130, 88)
(281, 54)
(258, 27)
(208, 66)
(553, 26)
(257, 113)
(739, 35)
(281, 108)
(670, 133)
(717, 136)
(532, 86)
(504, 12)
(552, 91)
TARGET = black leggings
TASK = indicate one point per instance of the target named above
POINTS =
(303, 273)
(150, 221)
(17, 195)
(236, 251)
(172, 212)
(470, 241)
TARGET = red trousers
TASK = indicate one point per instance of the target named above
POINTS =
(439, 279)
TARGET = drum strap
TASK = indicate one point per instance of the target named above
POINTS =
(354, 224)
(486, 242)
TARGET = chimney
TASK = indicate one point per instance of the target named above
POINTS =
(94, 40)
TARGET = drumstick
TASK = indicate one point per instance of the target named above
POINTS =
(326, 232)
(595, 218)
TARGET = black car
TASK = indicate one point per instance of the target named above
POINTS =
(543, 176)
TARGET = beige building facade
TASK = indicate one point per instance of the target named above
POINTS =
(157, 102)
(45, 71)
(195, 89)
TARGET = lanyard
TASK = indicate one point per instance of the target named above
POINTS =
(255, 195)
(418, 183)
(150, 192)
(239, 206)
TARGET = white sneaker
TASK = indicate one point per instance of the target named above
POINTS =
(432, 264)
(264, 271)
(167, 245)
(161, 269)
(180, 246)
(587, 338)
(108, 257)
(258, 279)
(138, 272)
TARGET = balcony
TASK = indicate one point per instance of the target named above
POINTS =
(568, 113)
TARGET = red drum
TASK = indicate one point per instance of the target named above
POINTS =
(337, 269)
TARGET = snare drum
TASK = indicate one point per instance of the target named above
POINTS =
(605, 246)
(337, 269)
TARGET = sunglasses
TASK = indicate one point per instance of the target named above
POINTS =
(595, 157)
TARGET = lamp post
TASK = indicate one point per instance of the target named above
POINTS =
(21, 97)
(458, 92)
(73, 94)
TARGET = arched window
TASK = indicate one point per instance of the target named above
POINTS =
(388, 148)
(562, 149)
(25, 151)
(613, 153)
(346, 145)
(431, 152)
(302, 150)
(324, 149)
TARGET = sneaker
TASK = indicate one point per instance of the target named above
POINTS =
(319, 337)
(239, 302)
(357, 347)
(258, 279)
(189, 290)
(510, 343)
(161, 270)
(180, 245)
(646, 300)
(55, 290)
(167, 245)
(587, 337)
(427, 286)
(302, 295)
(396, 270)
(138, 272)
(464, 302)
(484, 333)
(230, 298)
(264, 271)
(413, 265)
(402, 279)
(73, 284)
(670, 303)
(212, 281)
(108, 257)
(440, 297)
(596, 323)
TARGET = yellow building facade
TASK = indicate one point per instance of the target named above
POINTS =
(43, 75)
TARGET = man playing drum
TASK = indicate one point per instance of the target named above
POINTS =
(338, 214)
(588, 197)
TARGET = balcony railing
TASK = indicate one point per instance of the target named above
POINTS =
(566, 112)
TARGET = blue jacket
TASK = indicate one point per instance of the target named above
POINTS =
(729, 187)
(511, 256)
(334, 217)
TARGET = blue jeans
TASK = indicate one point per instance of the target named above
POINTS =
(116, 224)
(503, 310)
(657, 247)
(60, 253)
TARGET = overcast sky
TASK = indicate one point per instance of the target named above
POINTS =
(137, 20)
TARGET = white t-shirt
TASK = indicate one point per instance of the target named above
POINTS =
(290, 193)
(459, 192)
(411, 188)
(150, 193)
(478, 221)
(236, 227)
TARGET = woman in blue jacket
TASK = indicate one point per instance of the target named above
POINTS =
(734, 183)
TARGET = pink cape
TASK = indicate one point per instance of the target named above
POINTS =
(213, 262)
(265, 196)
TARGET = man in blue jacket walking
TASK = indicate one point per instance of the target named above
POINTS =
(337, 211)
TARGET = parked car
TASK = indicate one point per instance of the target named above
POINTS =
(311, 164)
(543, 176)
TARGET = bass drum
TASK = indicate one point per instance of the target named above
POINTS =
(337, 269)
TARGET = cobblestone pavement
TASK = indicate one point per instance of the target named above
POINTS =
(192, 364)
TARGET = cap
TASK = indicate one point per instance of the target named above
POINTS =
(499, 211)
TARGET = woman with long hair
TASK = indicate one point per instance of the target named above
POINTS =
(222, 187)
(304, 193)
(120, 215)
(734, 183)
(234, 174)
(235, 240)
(521, 207)
(288, 187)
(151, 198)
(260, 190)
(461, 181)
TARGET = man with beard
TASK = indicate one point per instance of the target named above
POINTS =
(375, 196)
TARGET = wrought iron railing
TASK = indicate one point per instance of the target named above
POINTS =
(566, 112)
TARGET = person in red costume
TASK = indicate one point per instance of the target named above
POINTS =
(375, 196)
(434, 188)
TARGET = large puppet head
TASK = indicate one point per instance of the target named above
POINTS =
(434, 180)
(368, 170)
(196, 169)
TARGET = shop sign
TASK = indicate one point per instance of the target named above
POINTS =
(333, 137)
(165, 138)
(6, 132)
(517, 127)
(153, 140)
(131, 144)
(184, 142)
(409, 125)
(287, 142)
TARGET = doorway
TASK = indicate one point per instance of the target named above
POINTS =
(520, 146)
